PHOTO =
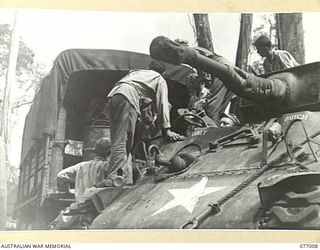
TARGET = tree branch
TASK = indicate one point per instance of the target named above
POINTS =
(18, 105)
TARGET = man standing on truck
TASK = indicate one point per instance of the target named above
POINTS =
(85, 174)
(142, 96)
(275, 60)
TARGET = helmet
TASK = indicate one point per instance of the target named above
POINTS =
(263, 41)
(102, 147)
(232, 117)
(157, 66)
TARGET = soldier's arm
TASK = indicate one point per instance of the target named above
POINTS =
(164, 111)
(162, 104)
(66, 176)
(287, 60)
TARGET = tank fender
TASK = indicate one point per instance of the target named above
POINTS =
(290, 202)
(291, 186)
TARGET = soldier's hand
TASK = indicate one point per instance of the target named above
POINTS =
(172, 136)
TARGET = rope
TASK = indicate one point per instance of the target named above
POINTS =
(214, 208)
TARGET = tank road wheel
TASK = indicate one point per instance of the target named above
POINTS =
(293, 203)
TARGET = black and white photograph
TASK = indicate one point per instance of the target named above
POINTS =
(159, 120)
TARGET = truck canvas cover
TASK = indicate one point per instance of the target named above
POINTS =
(42, 117)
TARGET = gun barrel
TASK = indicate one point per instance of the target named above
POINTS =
(270, 92)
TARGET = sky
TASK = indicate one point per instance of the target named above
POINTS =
(49, 32)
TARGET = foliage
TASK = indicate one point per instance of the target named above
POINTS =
(13, 179)
(267, 27)
(28, 71)
(25, 58)
(28, 74)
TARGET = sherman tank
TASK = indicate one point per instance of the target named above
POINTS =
(263, 174)
(239, 179)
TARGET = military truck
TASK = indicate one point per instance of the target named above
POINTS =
(57, 129)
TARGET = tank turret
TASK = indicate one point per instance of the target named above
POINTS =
(286, 90)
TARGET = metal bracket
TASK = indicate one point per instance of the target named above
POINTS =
(265, 141)
(250, 134)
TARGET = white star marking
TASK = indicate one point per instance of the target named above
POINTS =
(188, 197)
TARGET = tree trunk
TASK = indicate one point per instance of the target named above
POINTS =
(3, 184)
(204, 36)
(244, 41)
(5, 122)
(291, 34)
(243, 49)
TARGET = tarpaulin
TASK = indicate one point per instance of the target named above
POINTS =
(42, 117)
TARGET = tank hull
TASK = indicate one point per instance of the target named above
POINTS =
(234, 177)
